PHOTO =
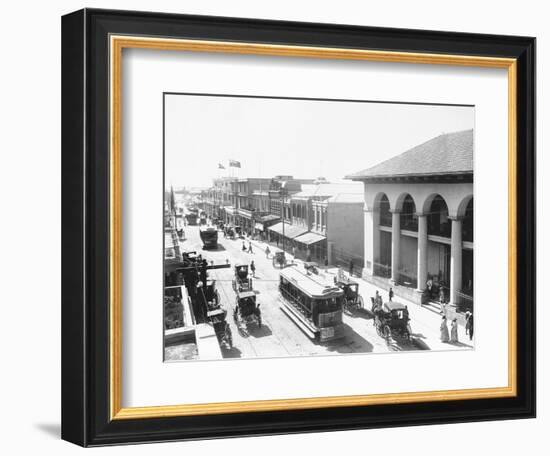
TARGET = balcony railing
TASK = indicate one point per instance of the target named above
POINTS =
(385, 218)
(440, 229)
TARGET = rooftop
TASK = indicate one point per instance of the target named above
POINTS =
(329, 190)
(446, 154)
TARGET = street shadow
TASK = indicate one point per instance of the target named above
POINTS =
(402, 344)
(460, 344)
(232, 352)
(360, 313)
(51, 429)
(420, 344)
(258, 333)
(352, 342)
(219, 248)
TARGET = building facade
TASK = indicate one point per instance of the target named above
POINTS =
(324, 223)
(418, 217)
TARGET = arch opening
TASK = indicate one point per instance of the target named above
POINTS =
(384, 210)
(438, 218)
(408, 217)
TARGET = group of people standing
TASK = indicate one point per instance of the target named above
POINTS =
(453, 336)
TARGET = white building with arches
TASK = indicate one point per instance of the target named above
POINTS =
(418, 211)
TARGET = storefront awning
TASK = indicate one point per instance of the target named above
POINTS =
(291, 231)
(310, 238)
(269, 218)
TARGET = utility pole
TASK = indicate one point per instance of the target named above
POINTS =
(283, 194)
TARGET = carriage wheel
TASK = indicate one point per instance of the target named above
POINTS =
(360, 302)
(386, 332)
(346, 306)
(377, 326)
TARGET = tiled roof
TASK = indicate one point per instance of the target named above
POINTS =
(450, 153)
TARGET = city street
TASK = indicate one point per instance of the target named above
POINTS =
(279, 336)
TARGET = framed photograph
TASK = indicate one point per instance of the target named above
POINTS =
(269, 227)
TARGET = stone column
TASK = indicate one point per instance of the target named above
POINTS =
(368, 215)
(456, 260)
(422, 253)
(395, 244)
(315, 217)
(330, 252)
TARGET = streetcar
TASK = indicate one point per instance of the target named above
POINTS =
(209, 237)
(191, 218)
(312, 303)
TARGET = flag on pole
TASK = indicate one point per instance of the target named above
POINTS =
(234, 163)
(220, 166)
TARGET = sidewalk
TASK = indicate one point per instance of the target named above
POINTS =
(424, 323)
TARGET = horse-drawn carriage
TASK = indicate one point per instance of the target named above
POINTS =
(216, 315)
(211, 295)
(352, 299)
(217, 318)
(391, 319)
(239, 232)
(279, 260)
(247, 310)
(242, 282)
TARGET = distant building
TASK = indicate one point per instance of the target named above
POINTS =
(324, 221)
(418, 212)
(218, 197)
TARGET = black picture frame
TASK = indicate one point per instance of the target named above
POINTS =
(85, 227)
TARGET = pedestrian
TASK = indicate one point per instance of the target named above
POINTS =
(253, 268)
(378, 298)
(250, 247)
(294, 251)
(444, 331)
(454, 331)
(441, 295)
(350, 268)
(390, 294)
(308, 256)
(267, 252)
(244, 247)
(470, 324)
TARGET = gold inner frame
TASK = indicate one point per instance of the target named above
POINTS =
(117, 44)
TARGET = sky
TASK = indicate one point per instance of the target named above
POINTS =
(302, 138)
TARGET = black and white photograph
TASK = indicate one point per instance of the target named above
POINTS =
(307, 227)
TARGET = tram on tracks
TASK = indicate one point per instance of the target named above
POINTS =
(314, 305)
(209, 237)
(191, 218)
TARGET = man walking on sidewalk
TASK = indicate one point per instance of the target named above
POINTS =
(253, 268)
